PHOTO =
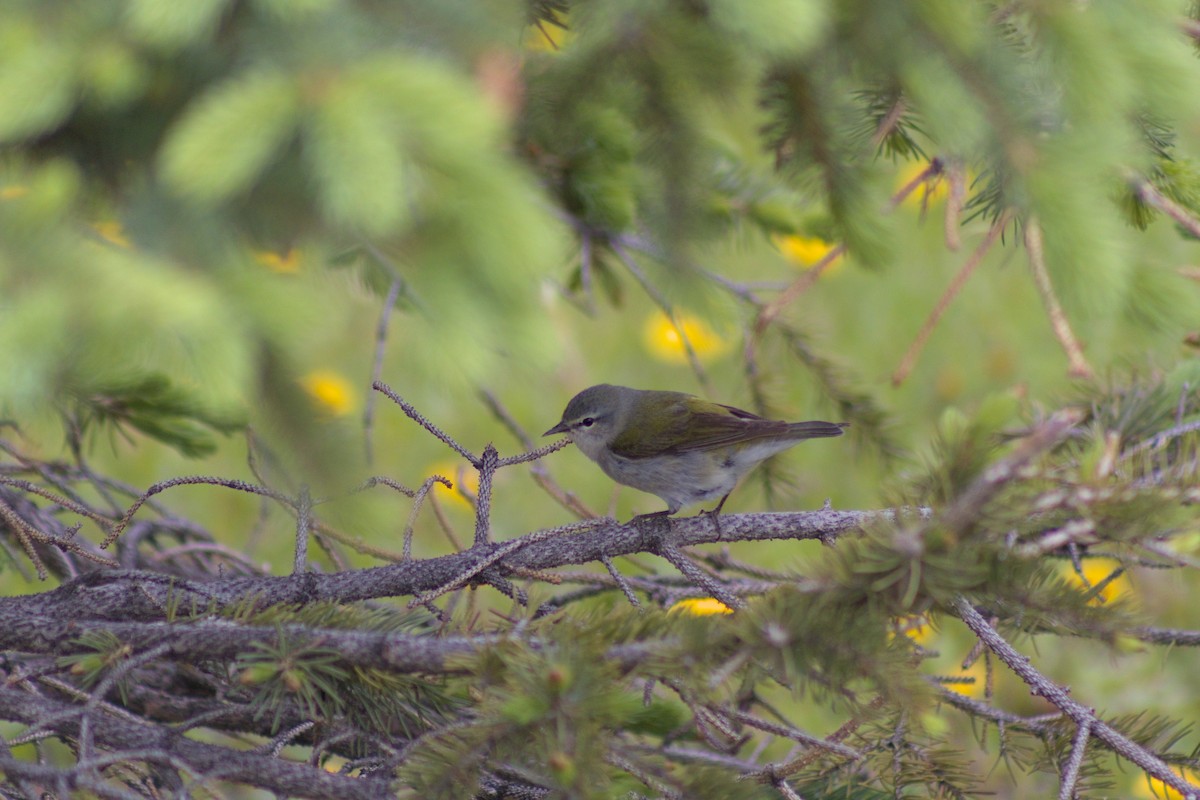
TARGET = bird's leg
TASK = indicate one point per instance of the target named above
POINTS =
(716, 512)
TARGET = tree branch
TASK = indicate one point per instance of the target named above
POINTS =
(1042, 686)
(131, 595)
(206, 760)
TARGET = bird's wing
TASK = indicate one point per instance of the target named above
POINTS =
(684, 424)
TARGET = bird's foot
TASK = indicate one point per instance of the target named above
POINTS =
(715, 515)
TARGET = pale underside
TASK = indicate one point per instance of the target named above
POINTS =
(694, 477)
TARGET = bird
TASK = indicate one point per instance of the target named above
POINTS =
(680, 447)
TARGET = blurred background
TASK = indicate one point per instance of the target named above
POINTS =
(221, 217)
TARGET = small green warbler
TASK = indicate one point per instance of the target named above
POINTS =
(682, 448)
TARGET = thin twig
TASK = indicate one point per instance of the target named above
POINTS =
(931, 172)
(1070, 773)
(798, 287)
(418, 501)
(188, 480)
(1159, 439)
(381, 335)
(773, 772)
(276, 745)
(586, 265)
(1042, 725)
(418, 418)
(626, 589)
(1153, 197)
(444, 523)
(1079, 367)
(487, 465)
(786, 790)
(685, 565)
(889, 122)
(1041, 686)
(643, 775)
(508, 420)
(25, 534)
(665, 306)
(235, 557)
(303, 524)
(58, 500)
(956, 285)
(382, 480)
(1168, 636)
(1045, 436)
(952, 219)
(535, 454)
(355, 543)
(797, 735)
(114, 675)
(500, 553)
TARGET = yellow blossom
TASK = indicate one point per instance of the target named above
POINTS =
(978, 676)
(663, 340)
(933, 190)
(701, 606)
(547, 37)
(917, 628)
(1154, 789)
(112, 232)
(329, 391)
(459, 473)
(1095, 570)
(286, 263)
(805, 251)
(13, 191)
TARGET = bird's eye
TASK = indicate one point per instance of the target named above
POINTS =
(587, 422)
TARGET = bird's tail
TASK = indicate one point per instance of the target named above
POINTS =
(815, 429)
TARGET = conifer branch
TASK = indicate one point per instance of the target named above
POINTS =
(155, 744)
(1041, 686)
(1153, 197)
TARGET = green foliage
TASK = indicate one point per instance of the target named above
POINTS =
(787, 632)
(776, 29)
(709, 783)
(203, 203)
(370, 699)
(552, 710)
(228, 136)
(959, 450)
(164, 25)
(162, 411)
(36, 76)
(312, 677)
(101, 652)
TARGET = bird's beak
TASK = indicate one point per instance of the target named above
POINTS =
(559, 428)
